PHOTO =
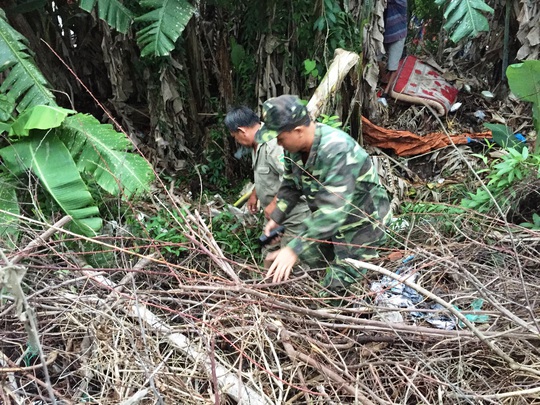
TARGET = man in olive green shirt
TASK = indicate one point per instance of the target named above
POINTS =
(268, 168)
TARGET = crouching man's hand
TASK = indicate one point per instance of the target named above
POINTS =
(269, 226)
(283, 262)
(252, 203)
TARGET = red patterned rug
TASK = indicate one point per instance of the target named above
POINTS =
(419, 83)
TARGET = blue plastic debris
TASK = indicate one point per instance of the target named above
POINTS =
(476, 305)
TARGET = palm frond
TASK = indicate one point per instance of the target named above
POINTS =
(113, 11)
(49, 159)
(24, 83)
(465, 18)
(100, 150)
(168, 19)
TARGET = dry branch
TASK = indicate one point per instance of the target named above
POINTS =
(342, 63)
(228, 381)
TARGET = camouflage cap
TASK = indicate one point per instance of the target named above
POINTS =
(280, 114)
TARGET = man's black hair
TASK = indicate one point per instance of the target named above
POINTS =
(241, 116)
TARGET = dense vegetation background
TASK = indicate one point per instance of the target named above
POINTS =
(148, 289)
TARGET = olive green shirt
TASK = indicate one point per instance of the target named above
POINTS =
(268, 168)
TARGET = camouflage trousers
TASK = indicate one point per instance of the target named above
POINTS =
(360, 245)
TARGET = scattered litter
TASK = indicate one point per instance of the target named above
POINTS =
(394, 295)
(476, 305)
(488, 95)
(455, 107)
(480, 115)
(399, 224)
(391, 293)
(383, 101)
(439, 320)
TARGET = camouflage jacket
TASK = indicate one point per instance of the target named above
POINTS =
(341, 187)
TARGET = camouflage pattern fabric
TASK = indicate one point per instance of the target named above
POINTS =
(280, 114)
(268, 167)
(350, 208)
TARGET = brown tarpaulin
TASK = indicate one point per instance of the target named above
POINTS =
(405, 143)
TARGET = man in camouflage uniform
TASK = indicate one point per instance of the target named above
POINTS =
(268, 168)
(349, 207)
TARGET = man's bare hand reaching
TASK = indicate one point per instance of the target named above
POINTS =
(283, 261)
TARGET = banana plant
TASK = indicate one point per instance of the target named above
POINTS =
(60, 147)
(465, 18)
(163, 22)
(524, 81)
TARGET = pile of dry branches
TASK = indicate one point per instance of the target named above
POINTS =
(206, 329)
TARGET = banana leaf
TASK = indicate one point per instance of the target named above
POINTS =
(23, 81)
(167, 21)
(49, 159)
(113, 11)
(101, 151)
(39, 117)
(465, 18)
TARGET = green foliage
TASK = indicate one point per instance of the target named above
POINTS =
(215, 167)
(102, 152)
(524, 81)
(164, 230)
(340, 29)
(311, 68)
(163, 23)
(111, 11)
(9, 231)
(49, 159)
(331, 120)
(23, 83)
(38, 117)
(425, 10)
(57, 148)
(502, 175)
(535, 224)
(234, 237)
(443, 217)
(167, 19)
(465, 18)
(245, 68)
(504, 136)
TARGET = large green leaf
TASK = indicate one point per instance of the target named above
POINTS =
(112, 11)
(168, 19)
(23, 82)
(524, 81)
(9, 232)
(465, 18)
(39, 117)
(504, 136)
(49, 159)
(100, 150)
